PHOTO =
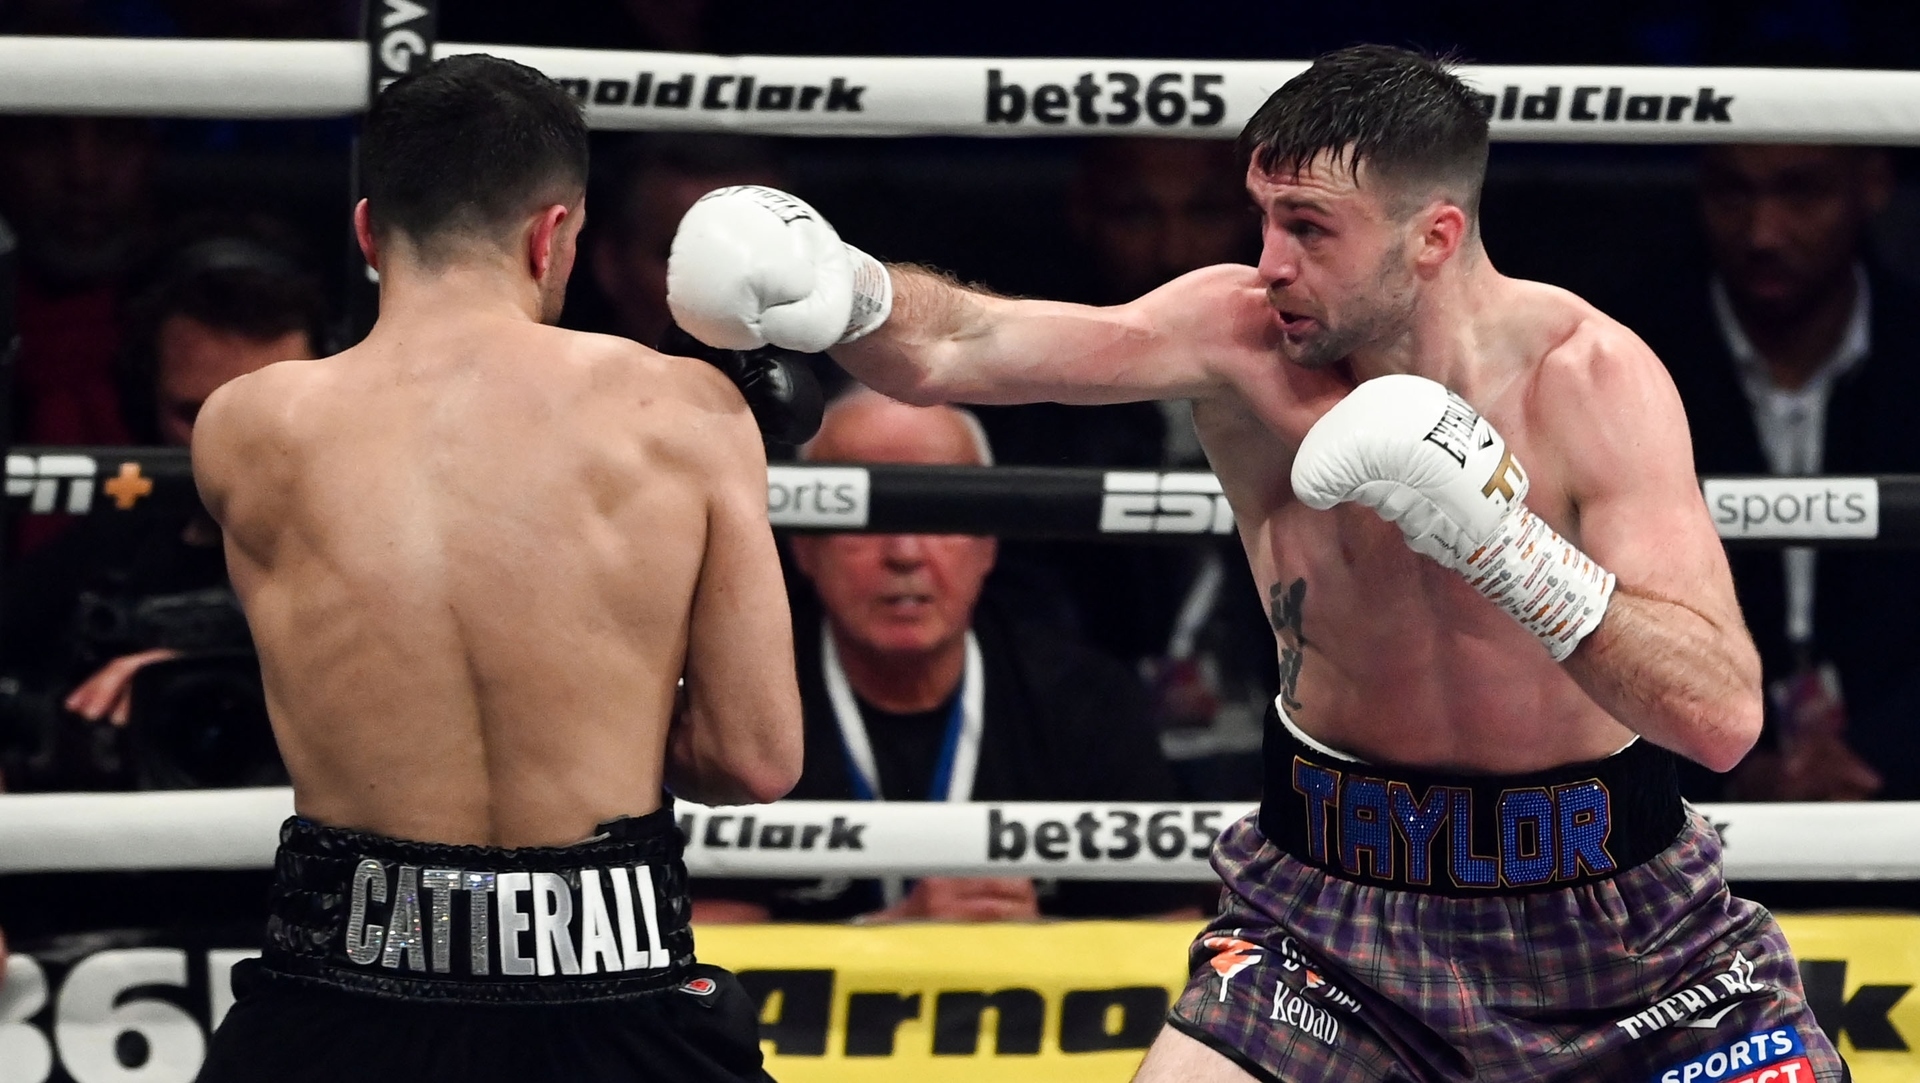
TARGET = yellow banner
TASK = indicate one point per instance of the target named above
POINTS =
(1859, 973)
(1078, 1002)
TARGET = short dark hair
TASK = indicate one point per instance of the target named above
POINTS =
(1408, 116)
(469, 145)
(245, 282)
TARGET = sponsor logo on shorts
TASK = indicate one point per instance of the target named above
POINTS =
(1773, 1056)
(737, 93)
(1231, 955)
(1292, 959)
(1607, 105)
(701, 987)
(583, 921)
(1700, 1006)
(1115, 99)
(1294, 1010)
(1145, 502)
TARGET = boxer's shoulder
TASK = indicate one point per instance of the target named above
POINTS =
(1573, 351)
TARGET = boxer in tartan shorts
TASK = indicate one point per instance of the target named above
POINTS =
(1314, 972)
(1500, 605)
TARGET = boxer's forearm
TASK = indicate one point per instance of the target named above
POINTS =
(1673, 676)
(945, 342)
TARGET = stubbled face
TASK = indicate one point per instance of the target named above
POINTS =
(1785, 222)
(901, 595)
(1335, 258)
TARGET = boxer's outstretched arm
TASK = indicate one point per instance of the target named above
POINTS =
(738, 738)
(1672, 658)
(944, 342)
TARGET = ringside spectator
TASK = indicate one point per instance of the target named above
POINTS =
(1801, 356)
(133, 587)
(893, 666)
(1145, 211)
(77, 191)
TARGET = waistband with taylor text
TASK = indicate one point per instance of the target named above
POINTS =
(1467, 835)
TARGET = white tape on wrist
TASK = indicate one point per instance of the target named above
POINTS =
(1553, 589)
(872, 294)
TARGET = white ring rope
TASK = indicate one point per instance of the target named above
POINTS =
(237, 829)
(954, 96)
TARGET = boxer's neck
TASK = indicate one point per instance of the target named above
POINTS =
(900, 682)
(1444, 336)
(458, 288)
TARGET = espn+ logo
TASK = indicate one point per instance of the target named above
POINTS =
(1147, 502)
(1117, 99)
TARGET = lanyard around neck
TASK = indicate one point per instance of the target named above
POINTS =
(959, 749)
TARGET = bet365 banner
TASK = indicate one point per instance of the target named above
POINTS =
(1003, 1003)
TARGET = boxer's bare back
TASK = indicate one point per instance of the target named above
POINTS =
(1384, 653)
(477, 552)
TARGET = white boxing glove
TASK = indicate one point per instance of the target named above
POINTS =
(752, 266)
(1428, 463)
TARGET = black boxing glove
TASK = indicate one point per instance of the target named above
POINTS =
(779, 387)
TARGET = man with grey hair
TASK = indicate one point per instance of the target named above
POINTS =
(912, 689)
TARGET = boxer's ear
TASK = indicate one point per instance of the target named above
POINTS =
(1439, 231)
(546, 241)
(363, 232)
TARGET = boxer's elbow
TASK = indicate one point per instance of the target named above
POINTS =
(766, 767)
(1738, 730)
(1741, 706)
(752, 764)
(1725, 728)
(770, 777)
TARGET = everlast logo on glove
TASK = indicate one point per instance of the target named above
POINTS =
(736, 93)
(1608, 105)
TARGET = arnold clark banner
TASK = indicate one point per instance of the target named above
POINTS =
(1063, 1002)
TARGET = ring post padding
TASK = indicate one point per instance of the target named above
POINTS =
(893, 96)
(237, 829)
(400, 36)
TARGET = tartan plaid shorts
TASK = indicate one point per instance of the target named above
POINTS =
(1655, 973)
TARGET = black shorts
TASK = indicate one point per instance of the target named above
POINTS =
(282, 1031)
(405, 961)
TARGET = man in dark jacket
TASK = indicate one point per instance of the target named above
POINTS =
(914, 691)
(1799, 356)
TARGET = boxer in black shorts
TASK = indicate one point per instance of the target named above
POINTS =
(478, 554)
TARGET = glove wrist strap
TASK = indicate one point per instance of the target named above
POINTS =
(1553, 589)
(872, 295)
